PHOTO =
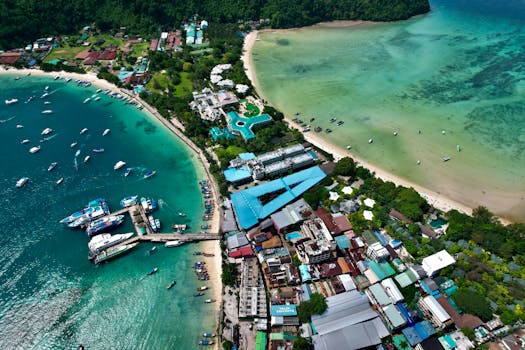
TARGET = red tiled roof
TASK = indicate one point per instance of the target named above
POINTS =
(154, 44)
(327, 219)
(397, 215)
(462, 321)
(107, 55)
(243, 251)
(343, 223)
(82, 55)
(10, 57)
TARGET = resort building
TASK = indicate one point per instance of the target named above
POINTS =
(243, 126)
(208, 103)
(291, 214)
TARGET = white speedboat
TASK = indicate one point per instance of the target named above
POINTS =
(46, 131)
(44, 95)
(171, 244)
(47, 102)
(24, 141)
(59, 181)
(106, 240)
(47, 111)
(87, 100)
(77, 153)
(83, 131)
(34, 149)
(105, 132)
(52, 166)
(119, 165)
(87, 158)
(21, 182)
(11, 101)
(74, 144)
(98, 150)
(19, 126)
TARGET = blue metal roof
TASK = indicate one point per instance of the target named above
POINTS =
(305, 273)
(283, 310)
(342, 242)
(234, 174)
(247, 156)
(424, 329)
(249, 209)
(412, 336)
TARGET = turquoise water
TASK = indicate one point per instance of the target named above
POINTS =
(51, 296)
(456, 74)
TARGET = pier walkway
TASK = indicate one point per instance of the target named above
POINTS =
(146, 234)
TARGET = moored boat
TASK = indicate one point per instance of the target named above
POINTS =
(87, 100)
(34, 149)
(47, 111)
(153, 223)
(77, 153)
(171, 244)
(169, 286)
(46, 131)
(152, 271)
(127, 172)
(87, 158)
(128, 201)
(98, 150)
(148, 204)
(52, 166)
(149, 174)
(19, 126)
(91, 206)
(104, 224)
(98, 243)
(198, 294)
(59, 181)
(445, 159)
(105, 132)
(152, 249)
(74, 144)
(21, 182)
(119, 165)
(182, 214)
(206, 342)
(25, 141)
(11, 101)
(209, 335)
(200, 289)
(83, 131)
(90, 215)
(114, 252)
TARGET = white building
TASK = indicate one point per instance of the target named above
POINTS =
(377, 252)
(434, 312)
(435, 262)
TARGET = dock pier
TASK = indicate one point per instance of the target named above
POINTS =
(145, 233)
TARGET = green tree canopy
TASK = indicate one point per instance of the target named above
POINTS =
(345, 167)
(315, 306)
(472, 302)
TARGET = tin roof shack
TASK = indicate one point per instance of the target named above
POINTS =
(348, 323)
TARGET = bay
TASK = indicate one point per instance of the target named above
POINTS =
(51, 296)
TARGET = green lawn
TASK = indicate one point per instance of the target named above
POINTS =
(251, 110)
(185, 87)
(68, 53)
(158, 83)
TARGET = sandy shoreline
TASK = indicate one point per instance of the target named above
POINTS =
(433, 198)
(215, 265)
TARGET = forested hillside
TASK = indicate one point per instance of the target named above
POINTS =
(23, 21)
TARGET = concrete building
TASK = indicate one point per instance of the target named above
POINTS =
(434, 312)
(377, 252)
(320, 245)
(252, 294)
(435, 262)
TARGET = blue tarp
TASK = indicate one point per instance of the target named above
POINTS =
(424, 329)
(305, 273)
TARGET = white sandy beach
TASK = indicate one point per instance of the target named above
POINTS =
(435, 199)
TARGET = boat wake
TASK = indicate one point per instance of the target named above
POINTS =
(49, 138)
(2, 121)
